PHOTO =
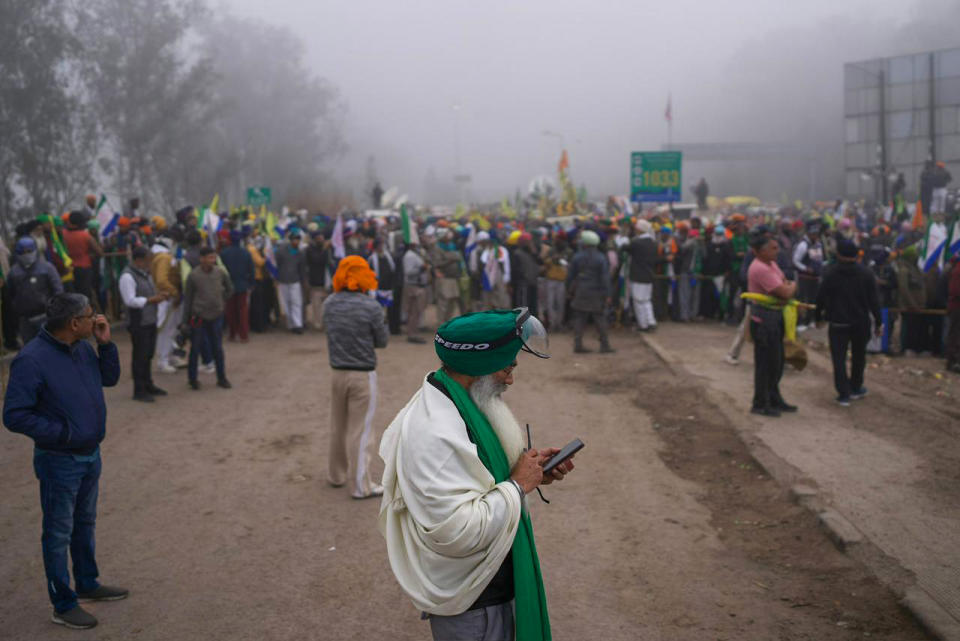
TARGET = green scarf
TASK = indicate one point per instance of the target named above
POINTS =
(531, 620)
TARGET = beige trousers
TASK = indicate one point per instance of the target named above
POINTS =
(317, 296)
(353, 402)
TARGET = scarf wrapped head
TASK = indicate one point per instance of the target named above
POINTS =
(354, 274)
(465, 343)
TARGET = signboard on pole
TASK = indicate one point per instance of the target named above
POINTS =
(655, 176)
(258, 196)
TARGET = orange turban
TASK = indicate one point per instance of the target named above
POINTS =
(354, 274)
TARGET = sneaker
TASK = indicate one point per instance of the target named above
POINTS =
(376, 491)
(856, 395)
(76, 619)
(104, 593)
(208, 369)
(224, 383)
(731, 360)
(802, 328)
(843, 401)
(178, 361)
(166, 368)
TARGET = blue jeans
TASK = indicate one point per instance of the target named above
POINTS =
(69, 486)
(208, 335)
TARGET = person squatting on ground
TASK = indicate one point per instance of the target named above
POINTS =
(140, 298)
(847, 297)
(589, 289)
(205, 297)
(55, 396)
(766, 326)
(458, 534)
(355, 328)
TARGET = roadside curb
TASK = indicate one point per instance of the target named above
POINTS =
(936, 620)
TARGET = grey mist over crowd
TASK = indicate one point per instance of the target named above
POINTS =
(320, 100)
(596, 74)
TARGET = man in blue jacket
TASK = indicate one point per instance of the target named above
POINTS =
(55, 396)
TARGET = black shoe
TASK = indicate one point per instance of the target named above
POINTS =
(580, 349)
(606, 349)
(416, 339)
(224, 383)
(765, 411)
(843, 401)
(76, 619)
(857, 394)
(145, 397)
(156, 391)
(104, 593)
(194, 384)
(297, 330)
(784, 406)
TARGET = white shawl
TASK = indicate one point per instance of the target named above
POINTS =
(448, 526)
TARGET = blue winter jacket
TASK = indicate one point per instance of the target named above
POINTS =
(55, 393)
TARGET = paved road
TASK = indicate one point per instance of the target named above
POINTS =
(214, 511)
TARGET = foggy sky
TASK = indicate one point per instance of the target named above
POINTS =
(596, 72)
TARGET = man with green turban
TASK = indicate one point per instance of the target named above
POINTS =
(456, 473)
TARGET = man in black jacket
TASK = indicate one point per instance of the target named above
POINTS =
(643, 260)
(848, 296)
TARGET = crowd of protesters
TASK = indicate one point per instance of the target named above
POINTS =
(178, 282)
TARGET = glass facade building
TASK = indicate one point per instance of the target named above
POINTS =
(898, 113)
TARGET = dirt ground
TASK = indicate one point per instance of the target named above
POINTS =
(215, 513)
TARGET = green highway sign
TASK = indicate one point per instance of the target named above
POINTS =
(655, 176)
(257, 196)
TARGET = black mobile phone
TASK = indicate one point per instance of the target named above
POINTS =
(568, 450)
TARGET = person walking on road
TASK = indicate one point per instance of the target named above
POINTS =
(355, 328)
(55, 397)
(953, 316)
(456, 471)
(141, 298)
(766, 326)
(205, 297)
(847, 298)
(588, 284)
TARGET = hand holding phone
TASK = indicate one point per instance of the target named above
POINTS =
(562, 456)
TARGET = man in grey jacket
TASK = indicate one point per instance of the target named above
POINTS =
(355, 327)
(291, 278)
(589, 286)
(204, 300)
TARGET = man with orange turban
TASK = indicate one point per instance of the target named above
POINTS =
(355, 328)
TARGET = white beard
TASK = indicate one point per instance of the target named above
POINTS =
(486, 392)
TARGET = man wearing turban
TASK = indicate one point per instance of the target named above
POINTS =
(459, 538)
(354, 324)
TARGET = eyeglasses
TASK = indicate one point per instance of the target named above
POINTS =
(91, 315)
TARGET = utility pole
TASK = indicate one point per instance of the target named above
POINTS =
(883, 137)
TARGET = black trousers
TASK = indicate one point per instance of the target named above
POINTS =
(767, 357)
(11, 322)
(144, 342)
(395, 312)
(854, 338)
(259, 305)
(580, 319)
